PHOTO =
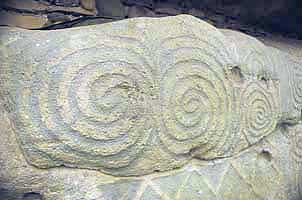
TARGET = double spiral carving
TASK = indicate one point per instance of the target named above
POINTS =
(97, 106)
(258, 111)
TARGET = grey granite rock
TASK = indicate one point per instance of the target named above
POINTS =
(146, 108)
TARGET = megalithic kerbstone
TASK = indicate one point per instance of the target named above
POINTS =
(143, 96)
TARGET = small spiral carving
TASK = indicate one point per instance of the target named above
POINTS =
(258, 111)
(97, 107)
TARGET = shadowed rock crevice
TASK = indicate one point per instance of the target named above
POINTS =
(32, 196)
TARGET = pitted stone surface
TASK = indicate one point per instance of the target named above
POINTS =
(168, 108)
(117, 96)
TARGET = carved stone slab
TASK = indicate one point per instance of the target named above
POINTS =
(143, 96)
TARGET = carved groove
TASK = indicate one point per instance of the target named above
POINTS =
(258, 111)
(99, 110)
(256, 62)
(196, 99)
(297, 145)
(125, 108)
(295, 71)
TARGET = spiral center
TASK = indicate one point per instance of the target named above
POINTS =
(112, 95)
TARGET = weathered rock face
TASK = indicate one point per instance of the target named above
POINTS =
(168, 108)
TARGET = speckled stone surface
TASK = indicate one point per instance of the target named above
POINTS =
(146, 108)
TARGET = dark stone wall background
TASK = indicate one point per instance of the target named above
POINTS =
(256, 17)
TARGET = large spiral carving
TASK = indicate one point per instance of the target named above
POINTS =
(196, 98)
(96, 104)
(258, 111)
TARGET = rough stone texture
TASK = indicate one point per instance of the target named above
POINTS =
(278, 16)
(167, 108)
(31, 14)
(88, 4)
(25, 20)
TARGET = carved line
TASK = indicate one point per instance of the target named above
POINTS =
(215, 93)
(33, 112)
(258, 111)
(295, 70)
(297, 145)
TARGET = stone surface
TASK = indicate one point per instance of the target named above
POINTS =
(36, 7)
(167, 108)
(88, 4)
(23, 21)
(31, 14)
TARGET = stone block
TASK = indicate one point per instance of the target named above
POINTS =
(148, 108)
